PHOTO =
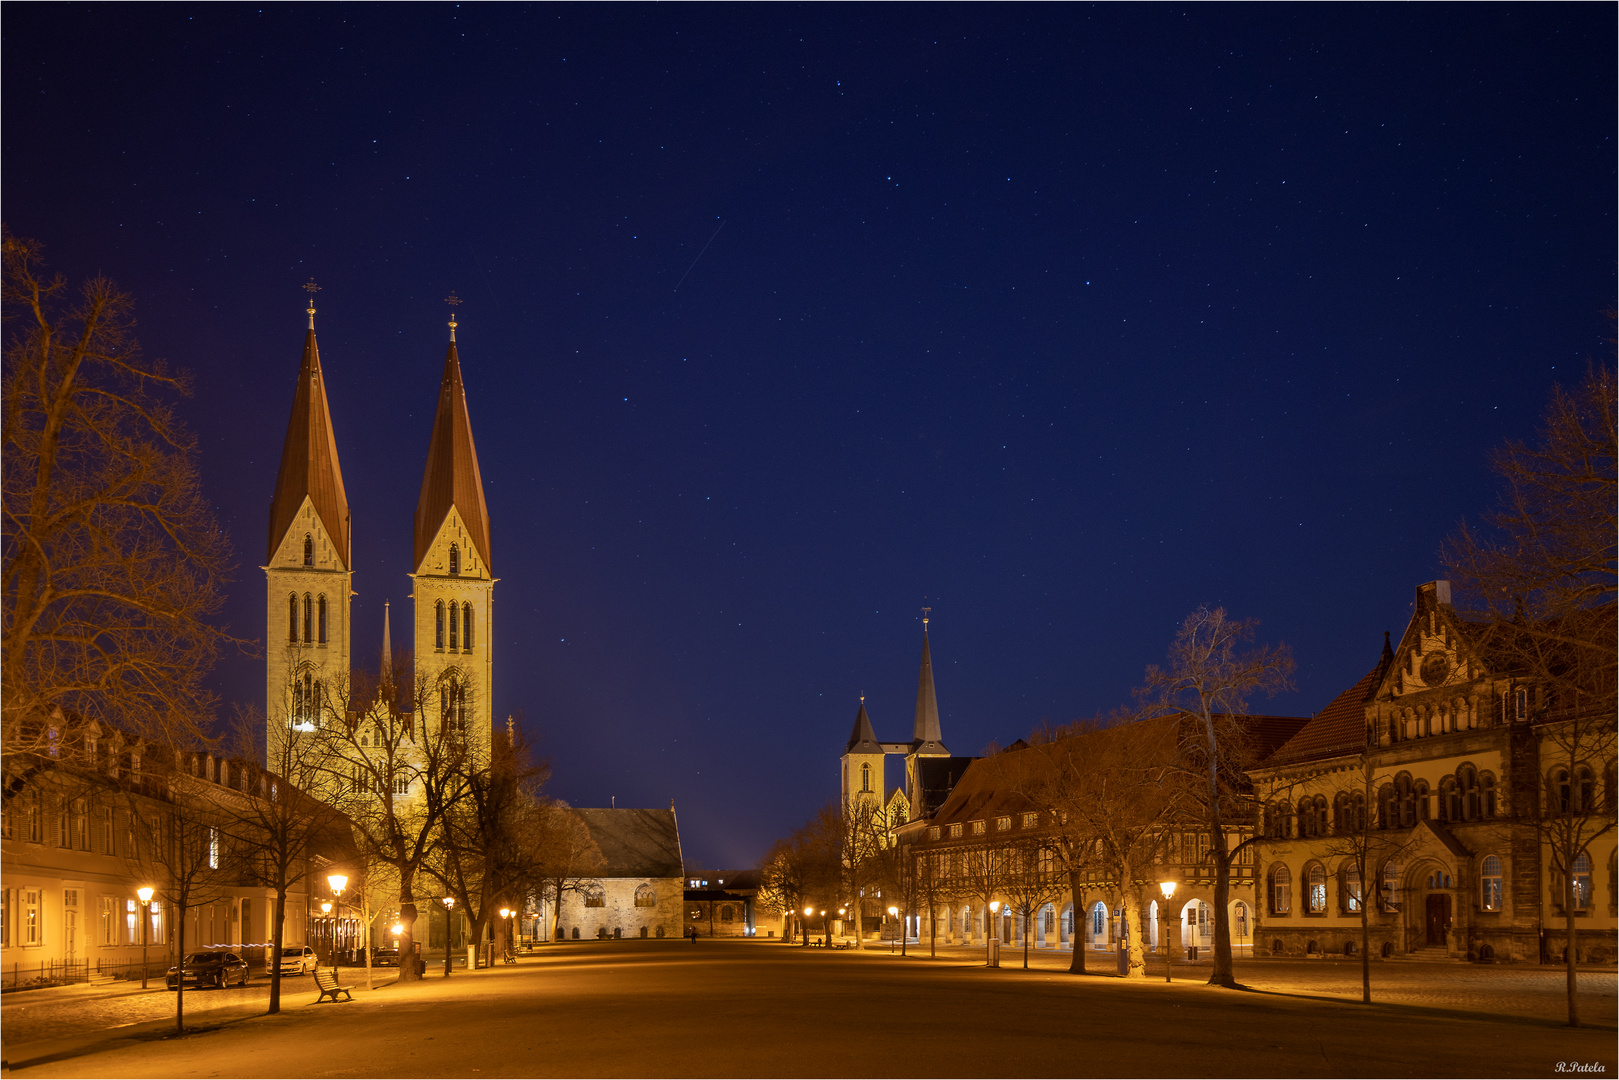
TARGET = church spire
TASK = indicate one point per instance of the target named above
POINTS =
(925, 735)
(451, 479)
(309, 466)
(387, 649)
(863, 740)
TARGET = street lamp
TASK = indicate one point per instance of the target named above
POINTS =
(893, 913)
(326, 929)
(505, 917)
(992, 939)
(449, 905)
(337, 882)
(1168, 888)
(145, 893)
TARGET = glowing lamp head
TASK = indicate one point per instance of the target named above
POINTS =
(994, 907)
(449, 901)
(399, 928)
(893, 911)
(809, 911)
(840, 911)
(325, 907)
(145, 893)
(505, 912)
(1168, 888)
(337, 881)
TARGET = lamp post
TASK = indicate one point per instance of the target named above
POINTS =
(1168, 889)
(505, 919)
(449, 906)
(807, 913)
(893, 913)
(992, 940)
(145, 893)
(326, 929)
(843, 921)
(337, 882)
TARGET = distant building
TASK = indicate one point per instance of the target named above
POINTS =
(721, 904)
(639, 891)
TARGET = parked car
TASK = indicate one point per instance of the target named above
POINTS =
(297, 960)
(215, 968)
(384, 957)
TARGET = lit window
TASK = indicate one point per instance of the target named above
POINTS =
(1352, 888)
(978, 828)
(1582, 882)
(1030, 820)
(309, 617)
(1316, 879)
(1003, 823)
(1490, 878)
(1281, 891)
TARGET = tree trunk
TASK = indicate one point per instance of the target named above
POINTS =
(1365, 943)
(1076, 963)
(1570, 953)
(275, 950)
(1136, 963)
(1222, 973)
(407, 936)
(180, 981)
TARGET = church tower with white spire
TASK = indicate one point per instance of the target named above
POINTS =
(308, 572)
(452, 586)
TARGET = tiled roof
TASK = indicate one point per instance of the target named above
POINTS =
(635, 843)
(451, 477)
(863, 740)
(309, 461)
(1338, 729)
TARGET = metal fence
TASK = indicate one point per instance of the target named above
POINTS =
(67, 972)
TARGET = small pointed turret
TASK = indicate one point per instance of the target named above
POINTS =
(863, 739)
(387, 649)
(1388, 650)
(451, 479)
(309, 466)
(925, 734)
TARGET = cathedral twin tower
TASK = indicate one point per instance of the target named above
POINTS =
(309, 573)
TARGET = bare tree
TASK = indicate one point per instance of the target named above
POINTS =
(1211, 673)
(567, 857)
(983, 872)
(1032, 882)
(113, 562)
(1540, 578)
(804, 869)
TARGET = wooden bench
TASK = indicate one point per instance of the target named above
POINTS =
(326, 979)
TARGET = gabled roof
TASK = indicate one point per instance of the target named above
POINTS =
(452, 477)
(925, 734)
(635, 843)
(309, 461)
(1340, 728)
(863, 740)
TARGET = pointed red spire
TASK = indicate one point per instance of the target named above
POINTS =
(452, 477)
(309, 460)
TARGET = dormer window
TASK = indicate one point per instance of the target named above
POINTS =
(455, 560)
(309, 550)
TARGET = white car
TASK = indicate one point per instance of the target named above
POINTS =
(297, 960)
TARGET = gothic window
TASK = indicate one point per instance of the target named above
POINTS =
(309, 617)
(865, 778)
(438, 625)
(320, 622)
(1306, 819)
(1391, 886)
(455, 559)
(595, 895)
(466, 627)
(1468, 793)
(455, 626)
(292, 618)
(646, 896)
(1486, 786)
(1582, 882)
(309, 550)
(1450, 800)
(453, 706)
(1490, 884)
(1585, 791)
(1405, 801)
(1315, 880)
(1388, 807)
(1520, 702)
(1281, 890)
(1321, 815)
(1419, 793)
(1352, 888)
(1562, 792)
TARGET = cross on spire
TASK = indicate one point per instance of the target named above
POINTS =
(925, 610)
(311, 288)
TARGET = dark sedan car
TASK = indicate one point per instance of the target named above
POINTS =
(215, 968)
(383, 957)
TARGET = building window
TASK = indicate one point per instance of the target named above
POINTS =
(438, 625)
(727, 913)
(1316, 882)
(455, 626)
(1391, 887)
(107, 836)
(1486, 785)
(320, 625)
(292, 619)
(1003, 823)
(213, 848)
(466, 627)
(933, 832)
(453, 706)
(309, 618)
(309, 550)
(1030, 820)
(646, 896)
(1281, 891)
(978, 828)
(955, 830)
(1099, 922)
(455, 560)
(109, 921)
(865, 778)
(1352, 888)
(1490, 882)
(81, 824)
(595, 895)
(32, 932)
(132, 924)
(1582, 882)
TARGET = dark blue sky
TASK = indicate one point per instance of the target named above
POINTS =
(1068, 319)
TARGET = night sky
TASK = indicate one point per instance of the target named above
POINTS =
(779, 320)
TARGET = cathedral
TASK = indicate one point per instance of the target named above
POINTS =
(309, 572)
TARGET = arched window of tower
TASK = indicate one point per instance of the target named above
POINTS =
(309, 550)
(865, 778)
(309, 617)
(466, 627)
(320, 629)
(455, 626)
(292, 618)
(455, 559)
(438, 625)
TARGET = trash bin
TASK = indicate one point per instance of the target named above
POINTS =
(421, 967)
(1191, 954)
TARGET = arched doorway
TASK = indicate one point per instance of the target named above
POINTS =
(1432, 886)
(1241, 921)
(1045, 927)
(1099, 926)
(1197, 927)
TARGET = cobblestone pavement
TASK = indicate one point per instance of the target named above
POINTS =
(1530, 991)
